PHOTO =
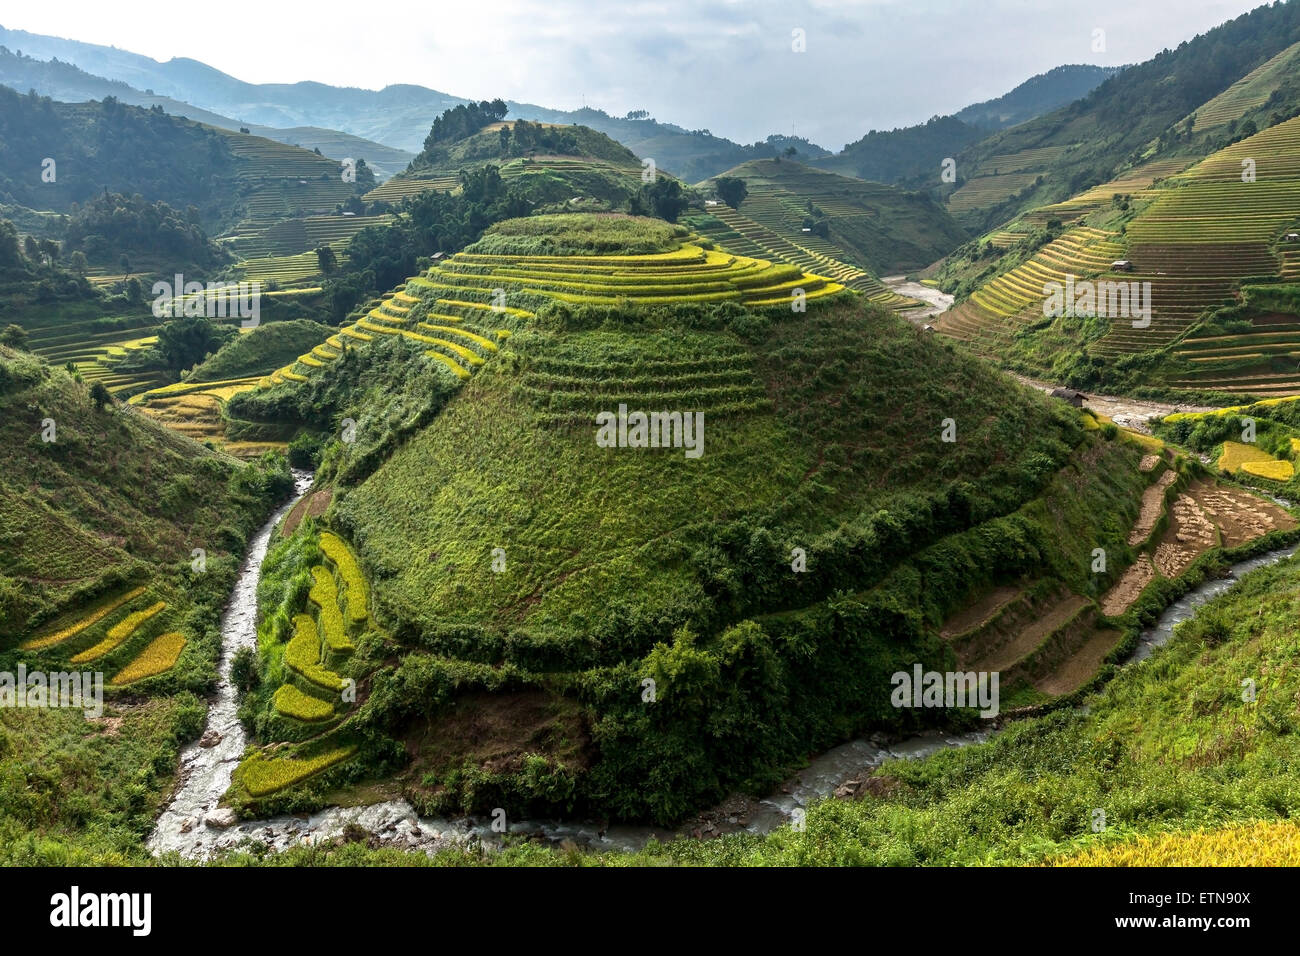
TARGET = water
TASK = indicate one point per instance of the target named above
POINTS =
(1185, 607)
(205, 771)
(193, 826)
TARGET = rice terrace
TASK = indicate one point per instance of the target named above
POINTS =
(403, 479)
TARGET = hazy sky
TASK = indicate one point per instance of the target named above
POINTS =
(726, 65)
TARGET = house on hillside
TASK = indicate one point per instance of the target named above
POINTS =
(1121, 265)
(1293, 237)
(1073, 396)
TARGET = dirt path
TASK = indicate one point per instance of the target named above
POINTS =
(935, 300)
(1131, 413)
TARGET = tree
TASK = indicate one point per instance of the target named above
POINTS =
(14, 336)
(665, 198)
(327, 260)
(100, 396)
(790, 151)
(186, 341)
(10, 251)
(731, 190)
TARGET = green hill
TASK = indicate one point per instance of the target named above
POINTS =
(1207, 241)
(119, 543)
(513, 564)
(261, 351)
(912, 154)
(108, 146)
(1138, 116)
(548, 163)
(874, 227)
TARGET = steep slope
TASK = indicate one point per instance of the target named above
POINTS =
(119, 542)
(1193, 238)
(109, 499)
(912, 154)
(875, 227)
(225, 174)
(636, 631)
(1139, 115)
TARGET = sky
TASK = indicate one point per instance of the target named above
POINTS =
(729, 66)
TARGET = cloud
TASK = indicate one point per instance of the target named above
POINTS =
(726, 65)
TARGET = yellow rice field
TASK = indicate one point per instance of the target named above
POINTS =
(159, 657)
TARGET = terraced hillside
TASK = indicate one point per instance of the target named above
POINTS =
(1194, 235)
(292, 237)
(1250, 92)
(1182, 104)
(96, 498)
(463, 307)
(1012, 301)
(280, 180)
(739, 234)
(870, 226)
(407, 184)
(119, 543)
(545, 551)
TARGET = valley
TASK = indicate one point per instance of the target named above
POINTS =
(561, 489)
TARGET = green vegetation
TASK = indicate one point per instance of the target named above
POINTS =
(112, 225)
(1205, 243)
(1157, 101)
(879, 228)
(912, 154)
(260, 351)
(596, 598)
(96, 542)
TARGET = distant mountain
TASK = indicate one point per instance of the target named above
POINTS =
(111, 146)
(1037, 95)
(1145, 113)
(899, 155)
(398, 116)
(70, 84)
(691, 155)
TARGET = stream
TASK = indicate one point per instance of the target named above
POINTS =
(194, 826)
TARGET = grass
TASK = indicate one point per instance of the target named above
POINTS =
(260, 351)
(609, 562)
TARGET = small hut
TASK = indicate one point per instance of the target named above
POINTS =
(1073, 396)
